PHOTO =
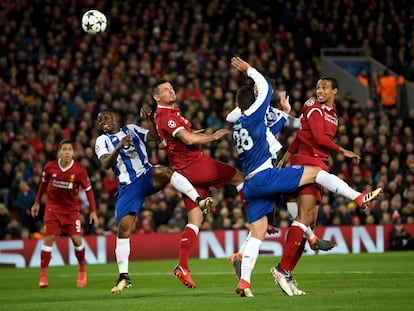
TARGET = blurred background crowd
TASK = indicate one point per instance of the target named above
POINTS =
(54, 79)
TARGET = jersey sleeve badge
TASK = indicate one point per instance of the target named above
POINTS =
(172, 124)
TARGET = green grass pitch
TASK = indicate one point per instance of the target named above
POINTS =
(334, 282)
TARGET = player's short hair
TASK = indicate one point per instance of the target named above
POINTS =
(64, 142)
(245, 97)
(108, 110)
(154, 88)
(117, 116)
(334, 82)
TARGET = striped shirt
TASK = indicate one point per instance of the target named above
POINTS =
(132, 162)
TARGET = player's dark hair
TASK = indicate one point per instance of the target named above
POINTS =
(64, 142)
(154, 88)
(109, 110)
(117, 115)
(245, 97)
(334, 82)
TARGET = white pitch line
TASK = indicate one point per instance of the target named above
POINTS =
(231, 273)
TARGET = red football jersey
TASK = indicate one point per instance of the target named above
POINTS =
(62, 195)
(169, 121)
(319, 124)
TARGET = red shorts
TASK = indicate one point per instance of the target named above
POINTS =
(56, 224)
(313, 189)
(205, 173)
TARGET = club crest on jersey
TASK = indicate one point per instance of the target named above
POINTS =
(310, 102)
(171, 124)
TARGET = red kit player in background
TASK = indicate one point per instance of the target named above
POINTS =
(64, 176)
(313, 144)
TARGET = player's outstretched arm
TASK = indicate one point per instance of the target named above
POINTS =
(239, 64)
(350, 154)
(193, 138)
(146, 114)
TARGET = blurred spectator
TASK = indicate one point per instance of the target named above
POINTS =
(363, 76)
(343, 214)
(162, 213)
(146, 227)
(4, 220)
(24, 202)
(386, 218)
(6, 179)
(238, 218)
(13, 230)
(326, 215)
(356, 220)
(387, 89)
(223, 221)
(207, 223)
(177, 221)
(370, 219)
(400, 239)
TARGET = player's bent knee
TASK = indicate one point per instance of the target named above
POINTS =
(309, 174)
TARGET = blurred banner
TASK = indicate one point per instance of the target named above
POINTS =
(211, 244)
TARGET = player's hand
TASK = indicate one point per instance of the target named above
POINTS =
(220, 133)
(34, 211)
(239, 64)
(146, 111)
(349, 154)
(284, 102)
(126, 141)
(284, 161)
(94, 218)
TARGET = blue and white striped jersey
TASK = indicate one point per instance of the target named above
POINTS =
(131, 162)
(249, 131)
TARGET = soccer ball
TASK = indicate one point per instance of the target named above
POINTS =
(93, 22)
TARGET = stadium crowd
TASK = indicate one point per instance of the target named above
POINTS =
(54, 79)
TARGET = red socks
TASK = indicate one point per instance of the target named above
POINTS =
(294, 242)
(45, 259)
(80, 255)
(186, 245)
(298, 253)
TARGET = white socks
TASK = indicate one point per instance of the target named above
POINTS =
(309, 233)
(182, 184)
(243, 246)
(292, 208)
(250, 254)
(336, 185)
(80, 247)
(46, 248)
(122, 251)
